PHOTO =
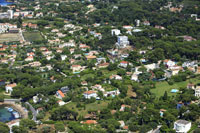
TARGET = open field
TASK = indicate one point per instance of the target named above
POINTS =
(10, 37)
(91, 106)
(32, 36)
(161, 87)
(31, 20)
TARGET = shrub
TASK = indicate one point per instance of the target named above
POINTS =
(60, 127)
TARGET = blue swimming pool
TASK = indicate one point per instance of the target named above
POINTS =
(174, 90)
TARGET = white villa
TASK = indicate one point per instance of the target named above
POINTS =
(122, 41)
(90, 94)
(9, 87)
(182, 126)
(115, 32)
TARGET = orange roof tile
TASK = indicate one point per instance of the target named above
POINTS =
(125, 127)
(61, 94)
(91, 57)
(12, 85)
(89, 92)
(124, 62)
(90, 122)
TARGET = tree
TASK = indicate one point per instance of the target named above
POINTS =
(46, 129)
(110, 124)
(1, 97)
(4, 128)
(197, 130)
(112, 67)
(159, 73)
(100, 94)
(42, 23)
(121, 72)
(63, 113)
(59, 126)
(133, 127)
(145, 128)
(142, 69)
(144, 76)
(19, 22)
(105, 114)
(107, 42)
(27, 123)
(165, 97)
(19, 129)
(133, 57)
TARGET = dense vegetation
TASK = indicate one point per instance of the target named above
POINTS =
(142, 103)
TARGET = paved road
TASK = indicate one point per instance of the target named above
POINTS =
(22, 35)
(63, 74)
(32, 110)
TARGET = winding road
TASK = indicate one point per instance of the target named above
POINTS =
(34, 112)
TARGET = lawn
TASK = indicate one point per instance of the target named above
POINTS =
(10, 37)
(161, 87)
(108, 73)
(31, 20)
(32, 36)
(105, 72)
(91, 106)
(84, 77)
(2, 92)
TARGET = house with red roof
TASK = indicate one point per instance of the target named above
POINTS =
(59, 94)
(90, 94)
(146, 23)
(29, 58)
(9, 87)
(123, 106)
(76, 68)
(124, 64)
(91, 57)
(89, 122)
(30, 54)
(84, 47)
(103, 65)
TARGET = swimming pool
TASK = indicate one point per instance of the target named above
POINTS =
(174, 90)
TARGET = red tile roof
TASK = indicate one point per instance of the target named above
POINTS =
(61, 94)
(125, 127)
(124, 62)
(90, 122)
(89, 92)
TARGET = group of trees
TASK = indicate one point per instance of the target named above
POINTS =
(63, 113)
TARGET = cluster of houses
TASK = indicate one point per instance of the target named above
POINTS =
(171, 8)
(93, 93)
(7, 27)
(9, 14)
(30, 25)
(5, 58)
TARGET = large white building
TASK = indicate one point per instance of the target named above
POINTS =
(9, 87)
(8, 14)
(182, 126)
(4, 27)
(122, 41)
(197, 91)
